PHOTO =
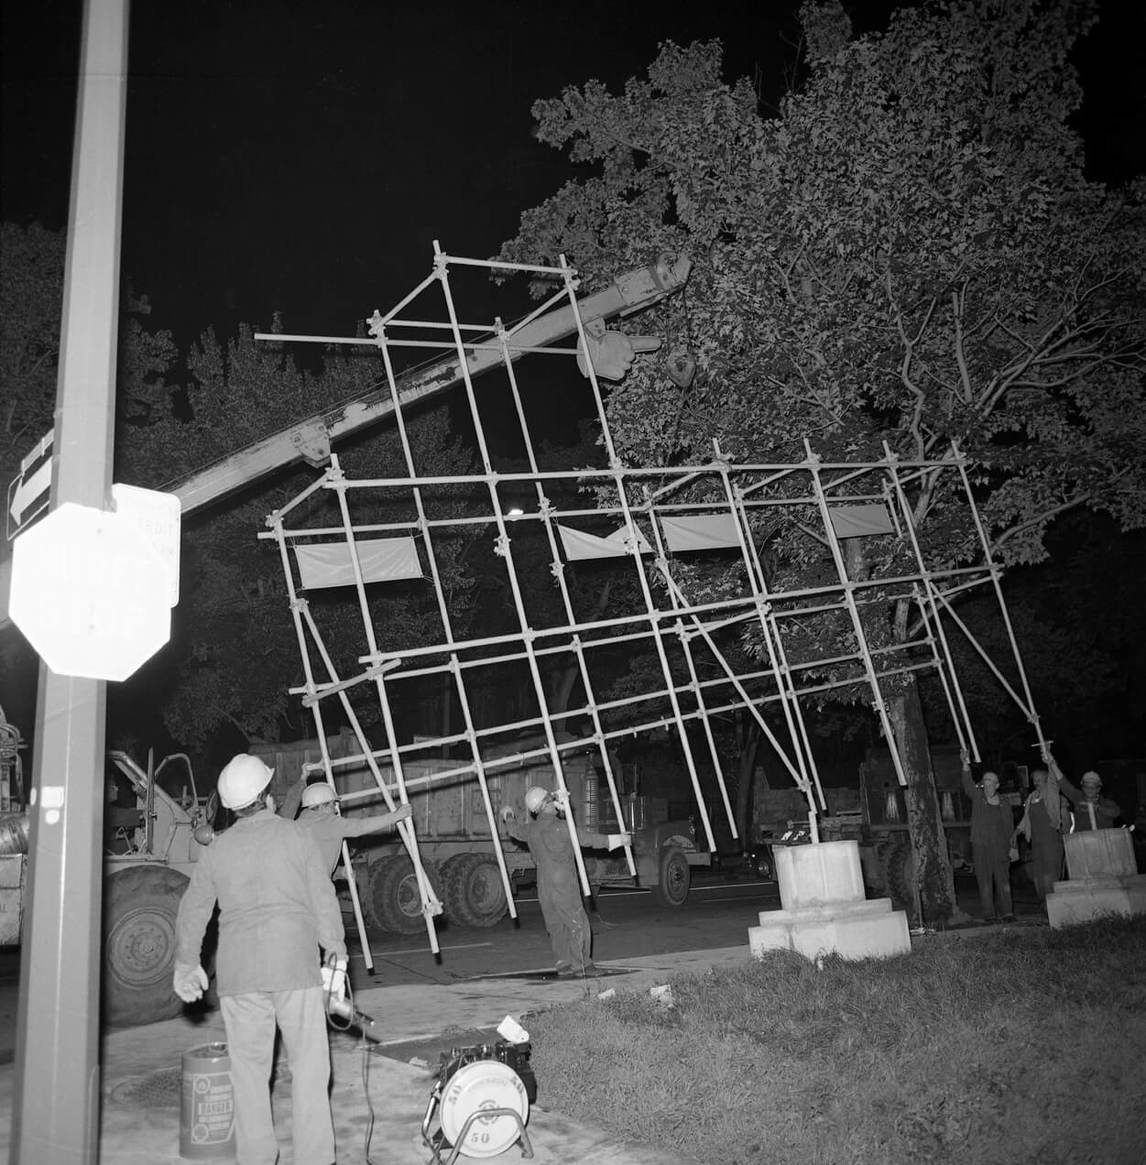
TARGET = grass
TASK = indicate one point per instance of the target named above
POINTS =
(1022, 1045)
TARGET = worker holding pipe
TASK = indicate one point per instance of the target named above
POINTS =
(321, 819)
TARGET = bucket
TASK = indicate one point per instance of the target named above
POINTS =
(207, 1121)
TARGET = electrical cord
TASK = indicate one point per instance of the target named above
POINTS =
(368, 1050)
(343, 1024)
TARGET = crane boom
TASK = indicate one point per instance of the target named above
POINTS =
(311, 439)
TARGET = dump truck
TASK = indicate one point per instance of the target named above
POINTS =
(874, 813)
(156, 836)
(454, 840)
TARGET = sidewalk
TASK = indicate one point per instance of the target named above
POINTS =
(142, 1077)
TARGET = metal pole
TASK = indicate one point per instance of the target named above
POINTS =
(297, 606)
(457, 683)
(55, 1110)
(994, 570)
(503, 550)
(432, 906)
(576, 644)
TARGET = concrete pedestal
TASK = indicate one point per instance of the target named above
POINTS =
(1103, 879)
(825, 910)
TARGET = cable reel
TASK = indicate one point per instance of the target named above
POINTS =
(480, 1102)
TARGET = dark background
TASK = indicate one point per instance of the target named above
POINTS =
(302, 156)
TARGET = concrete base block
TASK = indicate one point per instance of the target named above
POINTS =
(1100, 853)
(859, 930)
(825, 912)
(1087, 899)
(811, 875)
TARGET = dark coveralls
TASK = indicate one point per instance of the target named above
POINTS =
(558, 889)
(1046, 846)
(991, 830)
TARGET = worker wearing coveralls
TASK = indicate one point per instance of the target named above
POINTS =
(558, 887)
(277, 906)
(321, 819)
(992, 827)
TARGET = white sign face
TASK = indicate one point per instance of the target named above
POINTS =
(28, 493)
(90, 592)
(159, 518)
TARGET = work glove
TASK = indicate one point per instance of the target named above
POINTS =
(403, 813)
(508, 813)
(189, 982)
(561, 799)
(334, 976)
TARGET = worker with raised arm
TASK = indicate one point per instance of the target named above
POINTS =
(992, 829)
(277, 908)
(1044, 820)
(321, 819)
(546, 833)
(1091, 809)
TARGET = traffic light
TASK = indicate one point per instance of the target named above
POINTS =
(613, 353)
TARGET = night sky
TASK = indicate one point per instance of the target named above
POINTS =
(303, 156)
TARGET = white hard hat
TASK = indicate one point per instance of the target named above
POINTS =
(320, 793)
(535, 798)
(242, 780)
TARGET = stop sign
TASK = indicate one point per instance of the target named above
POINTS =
(90, 592)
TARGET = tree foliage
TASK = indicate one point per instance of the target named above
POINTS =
(910, 252)
(908, 257)
(31, 283)
(234, 653)
(237, 651)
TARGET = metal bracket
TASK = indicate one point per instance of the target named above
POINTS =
(313, 443)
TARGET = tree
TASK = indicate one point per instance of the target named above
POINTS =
(235, 643)
(910, 252)
(31, 288)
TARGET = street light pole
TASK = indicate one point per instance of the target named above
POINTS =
(55, 1111)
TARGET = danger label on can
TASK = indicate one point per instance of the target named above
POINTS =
(212, 1104)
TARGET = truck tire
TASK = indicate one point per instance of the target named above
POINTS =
(674, 878)
(392, 901)
(475, 895)
(139, 945)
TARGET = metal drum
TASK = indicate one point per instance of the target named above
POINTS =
(207, 1124)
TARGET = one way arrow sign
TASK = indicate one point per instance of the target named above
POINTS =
(28, 494)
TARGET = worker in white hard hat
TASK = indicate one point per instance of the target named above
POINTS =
(558, 886)
(321, 819)
(1091, 809)
(277, 908)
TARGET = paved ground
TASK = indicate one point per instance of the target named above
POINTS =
(382, 1089)
(381, 1092)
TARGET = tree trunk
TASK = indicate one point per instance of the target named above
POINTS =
(934, 882)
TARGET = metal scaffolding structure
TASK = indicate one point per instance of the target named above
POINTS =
(708, 627)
